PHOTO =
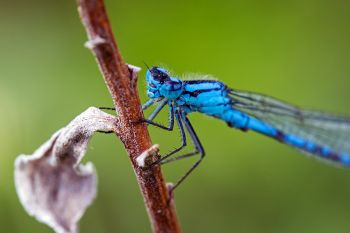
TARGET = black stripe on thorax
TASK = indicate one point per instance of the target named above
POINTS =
(198, 92)
(199, 81)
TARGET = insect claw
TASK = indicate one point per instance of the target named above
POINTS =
(140, 121)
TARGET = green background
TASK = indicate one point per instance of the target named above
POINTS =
(296, 50)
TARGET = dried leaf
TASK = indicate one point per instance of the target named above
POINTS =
(51, 184)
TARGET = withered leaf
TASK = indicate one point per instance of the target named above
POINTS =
(51, 184)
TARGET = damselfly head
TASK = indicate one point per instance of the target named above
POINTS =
(157, 74)
(161, 84)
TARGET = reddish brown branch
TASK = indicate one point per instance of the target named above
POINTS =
(121, 83)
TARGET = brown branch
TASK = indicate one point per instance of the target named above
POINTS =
(121, 82)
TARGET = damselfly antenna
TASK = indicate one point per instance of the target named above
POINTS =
(146, 66)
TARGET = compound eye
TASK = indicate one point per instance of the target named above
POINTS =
(164, 75)
(159, 75)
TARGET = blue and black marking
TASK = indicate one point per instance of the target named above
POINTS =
(324, 135)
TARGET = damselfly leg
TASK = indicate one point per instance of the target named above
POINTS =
(106, 132)
(150, 119)
(172, 115)
(165, 159)
(183, 122)
(198, 150)
(106, 108)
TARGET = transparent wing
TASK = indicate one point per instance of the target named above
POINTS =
(319, 127)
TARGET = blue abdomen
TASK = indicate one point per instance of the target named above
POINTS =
(306, 145)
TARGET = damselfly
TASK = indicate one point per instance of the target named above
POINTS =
(317, 133)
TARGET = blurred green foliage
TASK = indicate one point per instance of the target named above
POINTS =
(296, 50)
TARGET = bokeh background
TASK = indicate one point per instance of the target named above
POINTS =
(296, 50)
